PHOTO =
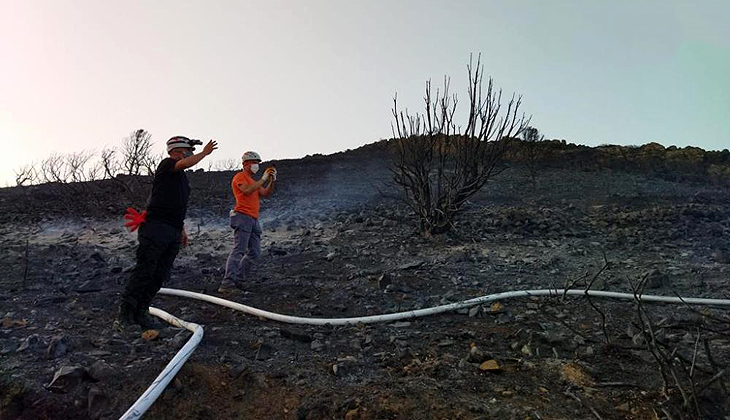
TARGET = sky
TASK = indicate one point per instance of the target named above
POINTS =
(299, 77)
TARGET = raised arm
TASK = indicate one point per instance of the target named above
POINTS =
(247, 189)
(193, 160)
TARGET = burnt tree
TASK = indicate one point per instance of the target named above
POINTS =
(136, 153)
(438, 165)
(533, 152)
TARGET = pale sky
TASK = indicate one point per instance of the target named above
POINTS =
(291, 78)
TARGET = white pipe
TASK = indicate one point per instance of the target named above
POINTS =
(435, 310)
(158, 385)
(163, 379)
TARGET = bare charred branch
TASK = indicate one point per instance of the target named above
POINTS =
(593, 305)
(26, 175)
(53, 169)
(136, 153)
(437, 164)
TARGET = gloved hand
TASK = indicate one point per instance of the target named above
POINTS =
(135, 219)
(267, 173)
(273, 174)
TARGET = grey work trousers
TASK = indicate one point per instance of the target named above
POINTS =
(246, 248)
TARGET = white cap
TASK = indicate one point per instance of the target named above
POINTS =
(251, 156)
(178, 141)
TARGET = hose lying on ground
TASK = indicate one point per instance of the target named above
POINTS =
(435, 310)
(159, 384)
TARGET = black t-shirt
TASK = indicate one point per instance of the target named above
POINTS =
(168, 201)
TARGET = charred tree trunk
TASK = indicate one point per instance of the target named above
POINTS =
(438, 165)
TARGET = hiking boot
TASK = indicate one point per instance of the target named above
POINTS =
(228, 290)
(146, 321)
(125, 316)
(229, 287)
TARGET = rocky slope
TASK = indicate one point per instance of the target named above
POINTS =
(334, 247)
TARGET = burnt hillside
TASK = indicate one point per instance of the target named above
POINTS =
(333, 246)
(354, 177)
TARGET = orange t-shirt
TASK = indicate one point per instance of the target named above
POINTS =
(246, 204)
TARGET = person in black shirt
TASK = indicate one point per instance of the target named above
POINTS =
(162, 233)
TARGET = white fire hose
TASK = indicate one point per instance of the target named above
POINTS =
(158, 385)
(163, 379)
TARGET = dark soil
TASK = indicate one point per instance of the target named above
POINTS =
(334, 247)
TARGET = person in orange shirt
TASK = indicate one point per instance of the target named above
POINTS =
(244, 221)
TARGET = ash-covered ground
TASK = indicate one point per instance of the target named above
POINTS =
(334, 247)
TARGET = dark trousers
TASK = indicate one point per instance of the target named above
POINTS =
(159, 244)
